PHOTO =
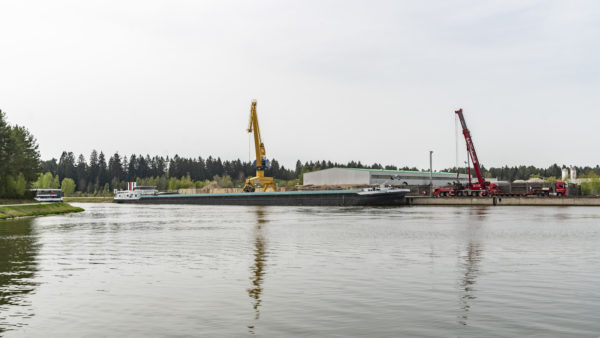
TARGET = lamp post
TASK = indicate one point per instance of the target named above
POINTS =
(430, 173)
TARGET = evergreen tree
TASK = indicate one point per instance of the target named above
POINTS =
(115, 169)
(298, 168)
(6, 147)
(132, 170)
(142, 167)
(102, 170)
(50, 166)
(66, 165)
(25, 157)
(93, 168)
(81, 173)
(174, 167)
(19, 159)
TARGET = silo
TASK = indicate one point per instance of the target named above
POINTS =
(565, 174)
(573, 174)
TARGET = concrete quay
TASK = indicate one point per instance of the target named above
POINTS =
(498, 201)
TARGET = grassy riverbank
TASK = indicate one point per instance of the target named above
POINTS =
(36, 209)
(99, 199)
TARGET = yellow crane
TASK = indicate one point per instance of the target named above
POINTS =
(261, 163)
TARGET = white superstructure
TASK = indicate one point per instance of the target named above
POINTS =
(48, 195)
(134, 194)
(382, 190)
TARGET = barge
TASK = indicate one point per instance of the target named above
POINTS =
(366, 197)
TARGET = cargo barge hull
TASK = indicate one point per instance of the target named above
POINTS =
(293, 198)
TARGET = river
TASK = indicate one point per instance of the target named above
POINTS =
(229, 271)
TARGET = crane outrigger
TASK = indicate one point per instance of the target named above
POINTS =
(261, 164)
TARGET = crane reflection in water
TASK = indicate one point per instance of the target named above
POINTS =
(470, 262)
(19, 249)
(257, 269)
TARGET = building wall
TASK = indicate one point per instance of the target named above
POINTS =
(422, 179)
(344, 176)
(335, 176)
(415, 178)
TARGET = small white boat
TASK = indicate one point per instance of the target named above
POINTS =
(48, 195)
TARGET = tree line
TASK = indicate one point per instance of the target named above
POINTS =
(99, 174)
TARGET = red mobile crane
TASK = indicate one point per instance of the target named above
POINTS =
(485, 188)
(479, 188)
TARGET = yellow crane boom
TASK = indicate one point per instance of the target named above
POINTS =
(261, 163)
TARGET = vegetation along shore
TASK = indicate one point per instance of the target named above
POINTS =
(36, 209)
(97, 199)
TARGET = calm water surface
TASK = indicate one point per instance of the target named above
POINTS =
(205, 271)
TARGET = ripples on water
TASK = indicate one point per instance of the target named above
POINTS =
(139, 271)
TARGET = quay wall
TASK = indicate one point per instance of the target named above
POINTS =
(529, 201)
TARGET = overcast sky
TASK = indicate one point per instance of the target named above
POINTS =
(376, 81)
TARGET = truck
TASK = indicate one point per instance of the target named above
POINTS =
(558, 188)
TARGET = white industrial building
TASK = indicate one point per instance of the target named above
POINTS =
(359, 176)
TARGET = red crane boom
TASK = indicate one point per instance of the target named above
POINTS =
(472, 153)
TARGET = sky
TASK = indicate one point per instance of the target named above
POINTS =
(375, 81)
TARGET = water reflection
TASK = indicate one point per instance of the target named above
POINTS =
(471, 258)
(258, 267)
(18, 265)
(470, 262)
(478, 213)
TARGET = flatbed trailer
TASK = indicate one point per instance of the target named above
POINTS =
(559, 189)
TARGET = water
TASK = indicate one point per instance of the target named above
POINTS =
(205, 271)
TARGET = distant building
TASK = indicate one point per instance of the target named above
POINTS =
(358, 176)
